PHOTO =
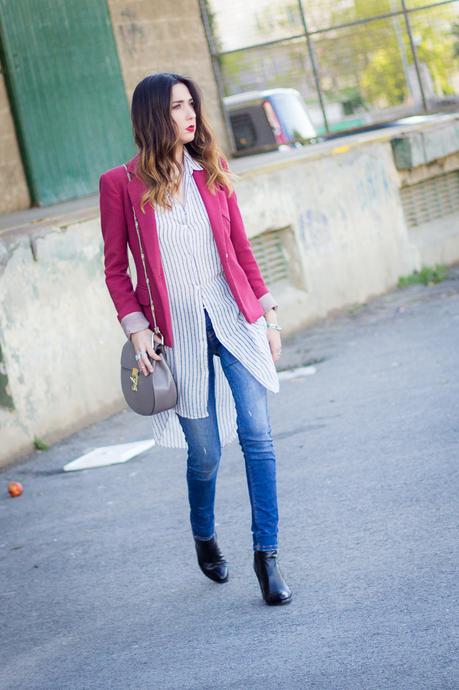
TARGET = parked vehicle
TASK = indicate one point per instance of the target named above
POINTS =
(268, 120)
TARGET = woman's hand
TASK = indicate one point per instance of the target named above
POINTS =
(143, 343)
(275, 344)
(273, 336)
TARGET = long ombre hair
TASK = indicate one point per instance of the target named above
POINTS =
(156, 139)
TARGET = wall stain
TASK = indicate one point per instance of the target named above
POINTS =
(314, 228)
(6, 399)
(132, 33)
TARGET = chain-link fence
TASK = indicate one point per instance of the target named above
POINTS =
(355, 62)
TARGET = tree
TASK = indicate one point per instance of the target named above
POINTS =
(365, 65)
(376, 57)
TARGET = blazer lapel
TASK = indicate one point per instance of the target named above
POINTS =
(212, 205)
(147, 219)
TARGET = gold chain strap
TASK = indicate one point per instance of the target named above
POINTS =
(147, 280)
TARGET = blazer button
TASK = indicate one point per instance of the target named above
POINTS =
(226, 254)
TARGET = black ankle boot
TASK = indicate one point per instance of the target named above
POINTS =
(211, 560)
(273, 587)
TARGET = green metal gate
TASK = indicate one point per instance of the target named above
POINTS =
(66, 93)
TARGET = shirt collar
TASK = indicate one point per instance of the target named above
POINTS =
(189, 162)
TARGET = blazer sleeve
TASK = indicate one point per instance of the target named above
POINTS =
(116, 262)
(244, 253)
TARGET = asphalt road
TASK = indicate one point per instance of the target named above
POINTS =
(99, 582)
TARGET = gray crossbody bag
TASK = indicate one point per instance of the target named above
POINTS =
(156, 392)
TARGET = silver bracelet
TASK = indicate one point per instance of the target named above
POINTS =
(275, 326)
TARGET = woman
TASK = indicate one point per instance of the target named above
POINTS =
(213, 309)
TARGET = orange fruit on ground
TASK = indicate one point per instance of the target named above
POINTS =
(15, 488)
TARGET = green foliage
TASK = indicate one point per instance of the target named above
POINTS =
(362, 66)
(40, 444)
(380, 49)
(212, 24)
(383, 81)
(426, 276)
(351, 100)
(455, 32)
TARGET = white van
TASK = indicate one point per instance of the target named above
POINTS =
(268, 120)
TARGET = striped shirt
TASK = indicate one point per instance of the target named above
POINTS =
(195, 280)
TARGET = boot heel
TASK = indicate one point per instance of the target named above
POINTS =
(274, 589)
(211, 560)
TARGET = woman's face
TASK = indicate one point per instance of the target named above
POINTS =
(182, 113)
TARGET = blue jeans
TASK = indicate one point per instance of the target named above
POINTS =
(254, 433)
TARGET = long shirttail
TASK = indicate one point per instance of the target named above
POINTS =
(195, 280)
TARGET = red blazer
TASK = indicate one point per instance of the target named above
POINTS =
(117, 196)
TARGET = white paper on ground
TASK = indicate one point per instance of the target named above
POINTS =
(108, 455)
(296, 373)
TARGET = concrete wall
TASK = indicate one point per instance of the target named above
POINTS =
(15, 194)
(59, 336)
(345, 212)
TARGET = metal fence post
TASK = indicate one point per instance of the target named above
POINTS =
(415, 57)
(315, 71)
